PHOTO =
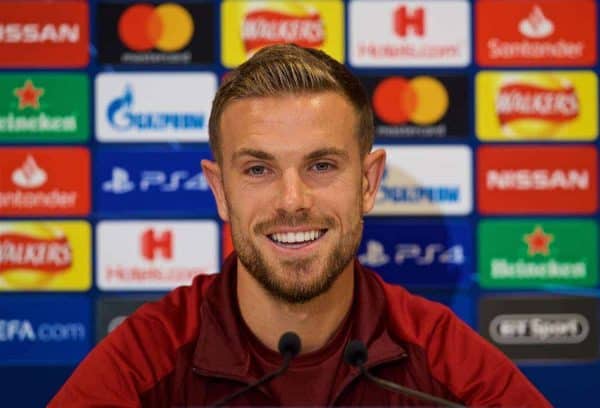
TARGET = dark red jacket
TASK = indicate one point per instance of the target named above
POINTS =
(186, 350)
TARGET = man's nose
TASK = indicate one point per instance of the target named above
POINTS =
(294, 194)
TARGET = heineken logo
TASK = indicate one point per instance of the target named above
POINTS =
(29, 95)
(35, 107)
(538, 242)
(536, 253)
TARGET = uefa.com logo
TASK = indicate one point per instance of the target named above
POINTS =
(38, 34)
(409, 33)
(45, 330)
(154, 107)
(411, 185)
(154, 255)
(536, 33)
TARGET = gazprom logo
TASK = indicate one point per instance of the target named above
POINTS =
(396, 188)
(122, 116)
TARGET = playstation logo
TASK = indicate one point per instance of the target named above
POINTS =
(119, 183)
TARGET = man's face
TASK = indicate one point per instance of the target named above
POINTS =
(292, 185)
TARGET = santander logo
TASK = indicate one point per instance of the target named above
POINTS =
(536, 25)
(266, 27)
(29, 175)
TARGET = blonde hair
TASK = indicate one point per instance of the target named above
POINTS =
(290, 69)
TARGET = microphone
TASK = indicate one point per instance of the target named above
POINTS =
(356, 355)
(289, 347)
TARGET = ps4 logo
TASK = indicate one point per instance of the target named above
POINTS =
(121, 117)
(421, 255)
(154, 181)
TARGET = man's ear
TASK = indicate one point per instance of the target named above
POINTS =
(213, 175)
(373, 167)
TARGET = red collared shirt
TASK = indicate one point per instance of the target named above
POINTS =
(190, 349)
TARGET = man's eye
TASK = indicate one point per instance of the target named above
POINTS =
(323, 166)
(257, 171)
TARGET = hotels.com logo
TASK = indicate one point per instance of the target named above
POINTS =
(519, 180)
(168, 254)
(153, 244)
(406, 33)
(409, 21)
(536, 33)
(266, 27)
(44, 34)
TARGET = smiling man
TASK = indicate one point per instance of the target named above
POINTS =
(292, 134)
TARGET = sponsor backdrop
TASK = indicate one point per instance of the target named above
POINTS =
(489, 201)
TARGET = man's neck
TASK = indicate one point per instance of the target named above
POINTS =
(314, 321)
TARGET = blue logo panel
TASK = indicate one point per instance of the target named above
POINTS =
(40, 330)
(152, 181)
(419, 253)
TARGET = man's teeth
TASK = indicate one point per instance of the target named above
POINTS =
(296, 237)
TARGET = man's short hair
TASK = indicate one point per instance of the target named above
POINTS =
(287, 70)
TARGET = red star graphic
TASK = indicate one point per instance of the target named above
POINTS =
(538, 242)
(29, 95)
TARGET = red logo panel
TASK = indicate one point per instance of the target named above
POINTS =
(535, 32)
(44, 181)
(537, 179)
(44, 34)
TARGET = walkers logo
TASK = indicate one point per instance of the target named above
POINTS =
(535, 253)
(533, 179)
(421, 106)
(247, 26)
(160, 107)
(536, 33)
(541, 327)
(44, 34)
(154, 255)
(151, 181)
(156, 33)
(552, 105)
(409, 33)
(45, 256)
(112, 311)
(418, 253)
(44, 181)
(44, 330)
(34, 108)
(411, 185)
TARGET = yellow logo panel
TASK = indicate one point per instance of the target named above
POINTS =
(247, 26)
(536, 105)
(45, 256)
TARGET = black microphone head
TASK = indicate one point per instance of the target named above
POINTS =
(355, 353)
(289, 343)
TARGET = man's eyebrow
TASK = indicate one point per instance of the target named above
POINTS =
(257, 154)
(328, 151)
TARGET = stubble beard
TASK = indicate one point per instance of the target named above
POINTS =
(294, 290)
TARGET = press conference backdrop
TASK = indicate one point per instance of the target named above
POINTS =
(488, 111)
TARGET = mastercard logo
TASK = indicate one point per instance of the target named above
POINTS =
(422, 100)
(168, 27)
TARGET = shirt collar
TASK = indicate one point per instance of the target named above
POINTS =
(221, 350)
